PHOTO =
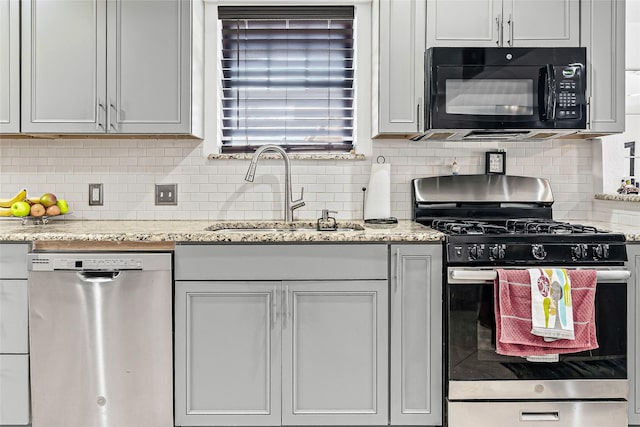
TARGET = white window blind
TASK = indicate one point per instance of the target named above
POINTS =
(287, 78)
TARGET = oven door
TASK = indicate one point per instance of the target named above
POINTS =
(475, 371)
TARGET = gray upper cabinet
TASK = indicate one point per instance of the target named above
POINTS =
(633, 333)
(602, 33)
(101, 66)
(9, 66)
(508, 23)
(416, 335)
(401, 66)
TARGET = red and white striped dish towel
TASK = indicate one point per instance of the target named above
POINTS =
(512, 303)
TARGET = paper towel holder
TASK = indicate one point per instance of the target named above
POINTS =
(381, 222)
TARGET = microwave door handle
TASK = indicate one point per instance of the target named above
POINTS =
(546, 93)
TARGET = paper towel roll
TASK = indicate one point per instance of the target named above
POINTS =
(377, 203)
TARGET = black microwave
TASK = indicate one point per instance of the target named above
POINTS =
(512, 91)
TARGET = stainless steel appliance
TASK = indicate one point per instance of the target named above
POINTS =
(480, 93)
(101, 339)
(501, 221)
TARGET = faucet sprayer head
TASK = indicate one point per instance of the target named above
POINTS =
(251, 172)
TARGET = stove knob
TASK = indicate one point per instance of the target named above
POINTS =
(601, 251)
(476, 251)
(579, 252)
(497, 252)
(538, 252)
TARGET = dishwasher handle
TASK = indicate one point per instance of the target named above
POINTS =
(98, 276)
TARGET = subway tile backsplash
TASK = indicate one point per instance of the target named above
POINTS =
(215, 189)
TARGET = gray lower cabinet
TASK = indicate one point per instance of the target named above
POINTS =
(416, 335)
(275, 350)
(634, 334)
(228, 346)
(14, 345)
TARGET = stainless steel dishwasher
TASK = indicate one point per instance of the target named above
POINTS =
(101, 339)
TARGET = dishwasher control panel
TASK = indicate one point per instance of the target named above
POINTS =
(45, 263)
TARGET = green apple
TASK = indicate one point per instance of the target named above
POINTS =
(64, 207)
(20, 209)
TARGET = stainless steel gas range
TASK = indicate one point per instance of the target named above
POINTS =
(504, 222)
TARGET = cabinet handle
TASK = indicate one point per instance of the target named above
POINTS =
(285, 313)
(274, 311)
(499, 30)
(111, 106)
(418, 114)
(510, 23)
(99, 106)
(397, 278)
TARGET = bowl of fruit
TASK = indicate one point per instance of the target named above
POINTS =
(39, 209)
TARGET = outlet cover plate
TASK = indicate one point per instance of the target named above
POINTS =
(166, 194)
(95, 195)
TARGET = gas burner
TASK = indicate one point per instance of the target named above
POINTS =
(452, 226)
(511, 225)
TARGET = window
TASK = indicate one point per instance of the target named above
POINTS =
(287, 77)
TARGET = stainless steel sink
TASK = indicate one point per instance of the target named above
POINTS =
(277, 227)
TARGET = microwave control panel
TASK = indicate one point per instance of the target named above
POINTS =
(569, 86)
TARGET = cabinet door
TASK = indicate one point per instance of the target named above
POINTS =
(602, 33)
(63, 66)
(335, 353)
(416, 335)
(9, 66)
(402, 47)
(522, 20)
(227, 354)
(633, 303)
(14, 337)
(14, 389)
(149, 59)
(464, 23)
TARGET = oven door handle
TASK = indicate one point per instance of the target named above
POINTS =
(460, 275)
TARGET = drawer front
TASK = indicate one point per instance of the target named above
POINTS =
(14, 389)
(13, 260)
(13, 316)
(281, 262)
(538, 414)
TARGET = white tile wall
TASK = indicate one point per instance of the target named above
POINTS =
(615, 212)
(215, 189)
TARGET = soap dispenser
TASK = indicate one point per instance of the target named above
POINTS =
(455, 169)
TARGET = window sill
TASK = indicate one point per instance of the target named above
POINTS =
(293, 156)
(618, 197)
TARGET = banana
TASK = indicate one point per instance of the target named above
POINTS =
(6, 203)
(5, 212)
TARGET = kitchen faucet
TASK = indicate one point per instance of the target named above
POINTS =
(289, 204)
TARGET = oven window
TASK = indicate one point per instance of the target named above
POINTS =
(490, 97)
(471, 349)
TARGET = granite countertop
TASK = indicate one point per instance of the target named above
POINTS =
(196, 231)
(178, 231)
(618, 197)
